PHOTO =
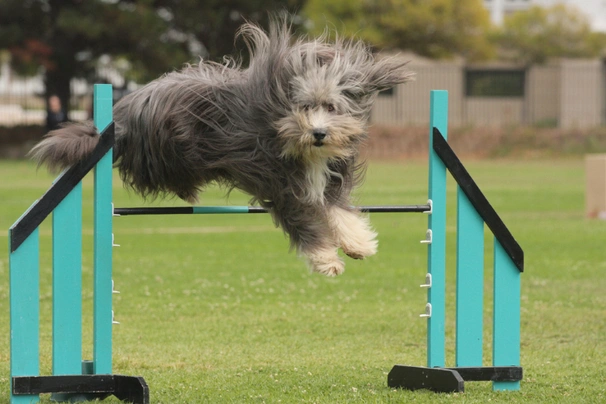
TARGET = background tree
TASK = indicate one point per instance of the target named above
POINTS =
(537, 34)
(433, 28)
(213, 23)
(67, 37)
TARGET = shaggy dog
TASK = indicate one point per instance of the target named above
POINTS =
(286, 130)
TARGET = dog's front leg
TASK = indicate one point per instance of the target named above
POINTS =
(353, 232)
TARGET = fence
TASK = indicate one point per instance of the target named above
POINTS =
(570, 93)
(22, 100)
(567, 94)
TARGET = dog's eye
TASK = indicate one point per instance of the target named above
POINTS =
(306, 107)
(330, 108)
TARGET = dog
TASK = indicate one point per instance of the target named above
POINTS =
(286, 129)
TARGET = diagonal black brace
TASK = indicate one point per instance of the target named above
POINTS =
(477, 199)
(131, 389)
(59, 190)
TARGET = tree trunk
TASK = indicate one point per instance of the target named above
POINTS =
(57, 82)
(58, 76)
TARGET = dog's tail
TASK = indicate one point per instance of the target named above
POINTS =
(63, 147)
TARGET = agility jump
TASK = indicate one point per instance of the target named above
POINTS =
(74, 378)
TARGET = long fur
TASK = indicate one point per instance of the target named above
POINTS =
(286, 130)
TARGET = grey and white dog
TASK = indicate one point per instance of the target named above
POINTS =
(286, 130)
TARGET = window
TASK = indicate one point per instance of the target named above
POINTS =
(389, 92)
(494, 83)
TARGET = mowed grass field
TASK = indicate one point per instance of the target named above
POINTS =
(214, 309)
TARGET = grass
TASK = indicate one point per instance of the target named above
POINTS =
(213, 309)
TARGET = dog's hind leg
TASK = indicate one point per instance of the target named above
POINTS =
(324, 260)
(352, 232)
(311, 235)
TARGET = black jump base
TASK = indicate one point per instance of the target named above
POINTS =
(130, 389)
(448, 380)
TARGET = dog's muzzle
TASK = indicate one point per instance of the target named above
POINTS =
(319, 135)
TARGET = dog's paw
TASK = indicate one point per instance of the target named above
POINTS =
(326, 262)
(360, 250)
(329, 268)
(353, 233)
(354, 255)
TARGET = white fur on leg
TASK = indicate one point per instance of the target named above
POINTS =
(325, 261)
(353, 232)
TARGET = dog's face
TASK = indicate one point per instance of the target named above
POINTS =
(331, 91)
(321, 123)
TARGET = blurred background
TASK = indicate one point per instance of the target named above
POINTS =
(521, 74)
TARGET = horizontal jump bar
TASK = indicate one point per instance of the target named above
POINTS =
(200, 210)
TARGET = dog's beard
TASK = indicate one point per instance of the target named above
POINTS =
(343, 133)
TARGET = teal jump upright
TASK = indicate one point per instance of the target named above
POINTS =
(24, 285)
(474, 212)
(506, 316)
(470, 284)
(72, 379)
(102, 239)
(436, 237)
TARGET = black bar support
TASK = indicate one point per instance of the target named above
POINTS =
(439, 380)
(491, 373)
(449, 380)
(131, 389)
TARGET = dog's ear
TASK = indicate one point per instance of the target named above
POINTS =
(386, 73)
(317, 54)
(325, 55)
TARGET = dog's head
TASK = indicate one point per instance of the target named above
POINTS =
(323, 90)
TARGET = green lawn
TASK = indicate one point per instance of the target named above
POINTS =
(214, 309)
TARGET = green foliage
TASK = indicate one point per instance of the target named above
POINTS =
(349, 18)
(537, 34)
(435, 28)
(213, 23)
(71, 35)
(66, 38)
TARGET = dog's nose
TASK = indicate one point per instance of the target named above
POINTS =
(319, 134)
